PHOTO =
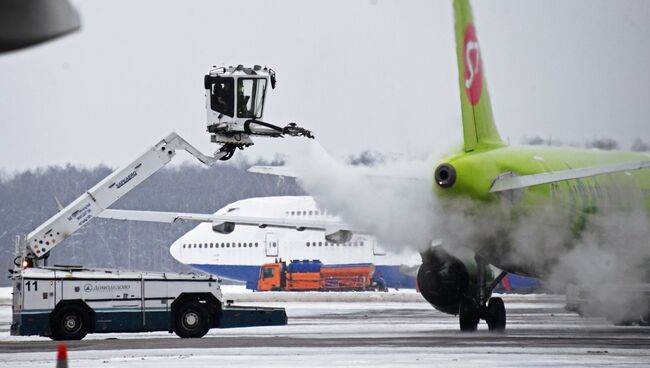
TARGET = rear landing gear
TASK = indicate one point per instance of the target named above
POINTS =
(479, 305)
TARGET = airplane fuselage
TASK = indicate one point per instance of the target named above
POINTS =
(570, 203)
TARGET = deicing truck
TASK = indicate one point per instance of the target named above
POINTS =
(68, 302)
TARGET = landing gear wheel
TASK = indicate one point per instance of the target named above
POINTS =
(495, 315)
(70, 322)
(468, 315)
(191, 320)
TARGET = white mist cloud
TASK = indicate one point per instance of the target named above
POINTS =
(608, 257)
(395, 202)
(610, 261)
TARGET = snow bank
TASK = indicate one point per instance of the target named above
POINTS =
(5, 295)
(401, 296)
(239, 294)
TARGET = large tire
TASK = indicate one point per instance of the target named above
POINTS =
(191, 320)
(468, 315)
(70, 322)
(495, 315)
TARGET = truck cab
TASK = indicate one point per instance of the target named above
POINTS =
(272, 277)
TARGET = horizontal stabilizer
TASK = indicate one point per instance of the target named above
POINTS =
(520, 182)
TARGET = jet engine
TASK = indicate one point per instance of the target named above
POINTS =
(443, 280)
(223, 227)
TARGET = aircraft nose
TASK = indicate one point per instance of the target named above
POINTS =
(175, 250)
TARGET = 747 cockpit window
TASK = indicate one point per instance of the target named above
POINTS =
(250, 97)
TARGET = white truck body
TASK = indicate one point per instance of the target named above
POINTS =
(110, 300)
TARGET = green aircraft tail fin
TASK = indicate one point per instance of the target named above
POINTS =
(478, 122)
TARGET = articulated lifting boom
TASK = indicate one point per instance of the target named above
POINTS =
(67, 302)
(60, 226)
(235, 101)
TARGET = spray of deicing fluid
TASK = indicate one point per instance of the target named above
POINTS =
(395, 202)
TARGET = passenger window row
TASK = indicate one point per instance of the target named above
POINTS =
(221, 245)
(306, 213)
(328, 244)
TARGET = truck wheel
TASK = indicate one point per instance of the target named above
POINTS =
(70, 322)
(191, 320)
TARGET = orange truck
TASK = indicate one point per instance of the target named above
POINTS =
(315, 276)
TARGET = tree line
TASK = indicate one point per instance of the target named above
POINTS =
(27, 199)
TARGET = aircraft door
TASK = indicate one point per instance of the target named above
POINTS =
(377, 249)
(272, 245)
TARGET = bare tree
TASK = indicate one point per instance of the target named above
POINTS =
(607, 144)
(26, 200)
(366, 158)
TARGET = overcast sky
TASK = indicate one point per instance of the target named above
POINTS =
(371, 74)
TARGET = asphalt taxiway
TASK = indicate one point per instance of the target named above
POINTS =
(539, 332)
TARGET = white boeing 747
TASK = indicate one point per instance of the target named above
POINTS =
(238, 255)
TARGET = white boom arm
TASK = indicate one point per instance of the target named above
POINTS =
(108, 191)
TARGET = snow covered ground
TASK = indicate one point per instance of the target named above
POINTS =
(355, 329)
(341, 357)
(5, 295)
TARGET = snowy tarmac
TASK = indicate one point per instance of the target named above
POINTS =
(357, 329)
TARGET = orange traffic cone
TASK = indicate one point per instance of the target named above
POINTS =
(62, 357)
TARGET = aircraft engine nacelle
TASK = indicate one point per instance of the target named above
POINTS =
(223, 228)
(442, 280)
(445, 175)
(338, 236)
